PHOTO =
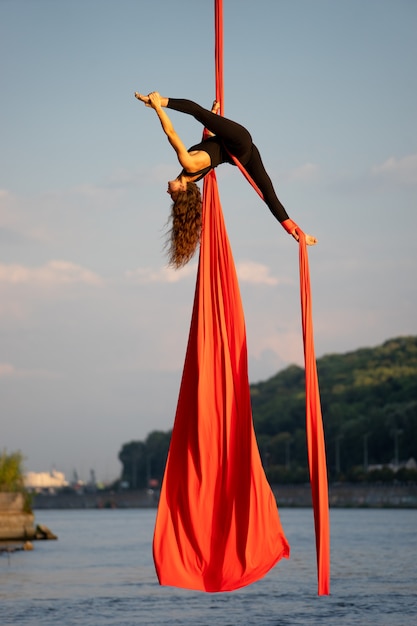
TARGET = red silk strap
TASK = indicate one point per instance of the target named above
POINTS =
(314, 427)
(218, 52)
(289, 226)
(314, 423)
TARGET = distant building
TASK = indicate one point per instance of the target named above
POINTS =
(411, 464)
(45, 481)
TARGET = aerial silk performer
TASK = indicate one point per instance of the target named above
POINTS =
(217, 526)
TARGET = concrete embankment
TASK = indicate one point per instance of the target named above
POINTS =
(18, 525)
(340, 496)
(15, 523)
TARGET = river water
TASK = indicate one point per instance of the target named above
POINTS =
(100, 573)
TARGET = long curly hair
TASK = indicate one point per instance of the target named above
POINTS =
(184, 234)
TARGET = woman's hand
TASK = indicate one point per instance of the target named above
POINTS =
(291, 228)
(310, 240)
(152, 100)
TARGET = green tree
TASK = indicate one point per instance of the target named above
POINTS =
(369, 408)
(145, 460)
(133, 458)
(12, 476)
(157, 446)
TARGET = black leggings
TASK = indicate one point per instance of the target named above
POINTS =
(238, 141)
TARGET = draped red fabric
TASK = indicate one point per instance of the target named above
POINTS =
(314, 422)
(217, 526)
(314, 426)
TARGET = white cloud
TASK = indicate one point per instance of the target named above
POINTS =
(402, 170)
(257, 273)
(7, 370)
(53, 273)
(248, 272)
(147, 275)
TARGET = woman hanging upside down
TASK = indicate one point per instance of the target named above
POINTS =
(225, 138)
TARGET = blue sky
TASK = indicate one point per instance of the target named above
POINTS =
(93, 326)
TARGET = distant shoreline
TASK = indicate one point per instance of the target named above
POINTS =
(342, 495)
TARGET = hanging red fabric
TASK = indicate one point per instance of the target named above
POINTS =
(314, 426)
(314, 422)
(217, 526)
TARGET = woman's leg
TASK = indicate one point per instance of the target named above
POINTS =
(239, 143)
(234, 136)
(257, 171)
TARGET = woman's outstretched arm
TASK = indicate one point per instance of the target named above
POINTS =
(157, 103)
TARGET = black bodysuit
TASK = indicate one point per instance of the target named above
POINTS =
(230, 137)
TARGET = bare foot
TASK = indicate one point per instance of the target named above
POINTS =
(215, 106)
(144, 99)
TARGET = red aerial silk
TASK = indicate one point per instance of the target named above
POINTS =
(217, 525)
(314, 426)
(314, 422)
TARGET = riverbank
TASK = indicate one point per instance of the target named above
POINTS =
(340, 496)
(17, 527)
(15, 522)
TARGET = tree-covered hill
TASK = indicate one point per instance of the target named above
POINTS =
(369, 406)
